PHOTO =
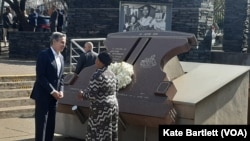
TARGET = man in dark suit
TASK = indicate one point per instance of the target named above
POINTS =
(48, 87)
(87, 58)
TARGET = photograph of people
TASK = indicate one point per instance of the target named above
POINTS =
(146, 19)
(158, 23)
(141, 16)
(133, 25)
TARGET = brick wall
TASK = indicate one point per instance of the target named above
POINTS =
(27, 45)
(97, 18)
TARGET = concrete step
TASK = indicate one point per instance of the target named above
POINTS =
(217, 47)
(17, 78)
(18, 111)
(2, 43)
(4, 50)
(14, 102)
(16, 85)
(12, 93)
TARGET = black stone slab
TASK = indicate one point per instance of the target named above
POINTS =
(150, 92)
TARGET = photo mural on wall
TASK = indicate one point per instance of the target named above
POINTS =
(137, 16)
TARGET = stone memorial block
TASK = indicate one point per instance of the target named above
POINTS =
(147, 99)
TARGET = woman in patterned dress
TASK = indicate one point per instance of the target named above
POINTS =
(104, 110)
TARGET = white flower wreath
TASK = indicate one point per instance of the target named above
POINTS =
(123, 71)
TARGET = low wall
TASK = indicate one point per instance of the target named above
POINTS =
(216, 100)
(27, 45)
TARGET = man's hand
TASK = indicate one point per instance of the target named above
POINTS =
(61, 95)
(57, 95)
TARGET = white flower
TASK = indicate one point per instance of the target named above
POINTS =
(123, 71)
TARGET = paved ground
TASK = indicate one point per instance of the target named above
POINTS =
(16, 67)
(20, 129)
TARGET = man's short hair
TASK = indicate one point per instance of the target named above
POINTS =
(90, 44)
(56, 36)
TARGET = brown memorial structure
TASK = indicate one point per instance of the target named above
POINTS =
(147, 100)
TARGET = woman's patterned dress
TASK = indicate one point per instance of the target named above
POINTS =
(104, 110)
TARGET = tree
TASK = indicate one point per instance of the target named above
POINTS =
(19, 7)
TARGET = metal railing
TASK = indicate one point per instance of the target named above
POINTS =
(76, 49)
(219, 9)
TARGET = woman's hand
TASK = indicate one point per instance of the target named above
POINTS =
(80, 95)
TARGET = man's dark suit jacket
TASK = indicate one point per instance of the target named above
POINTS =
(47, 79)
(85, 60)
